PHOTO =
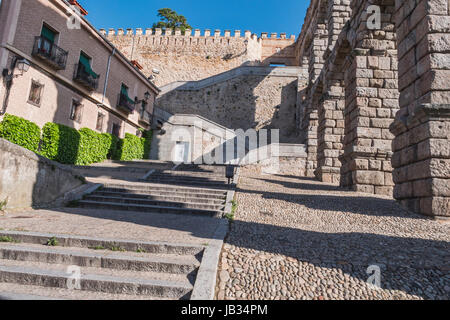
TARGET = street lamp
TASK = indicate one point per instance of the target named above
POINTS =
(21, 64)
(147, 96)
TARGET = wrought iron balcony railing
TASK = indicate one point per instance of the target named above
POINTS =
(50, 53)
(125, 103)
(86, 77)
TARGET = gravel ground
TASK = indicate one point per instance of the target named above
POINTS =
(295, 238)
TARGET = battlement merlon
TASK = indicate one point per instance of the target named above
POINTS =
(193, 33)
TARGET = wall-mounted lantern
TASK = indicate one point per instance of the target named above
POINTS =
(21, 64)
(147, 96)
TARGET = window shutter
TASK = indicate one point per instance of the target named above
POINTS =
(48, 34)
(86, 62)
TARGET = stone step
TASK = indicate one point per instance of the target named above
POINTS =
(115, 169)
(14, 291)
(189, 182)
(202, 168)
(163, 187)
(92, 242)
(168, 197)
(190, 174)
(215, 196)
(203, 178)
(96, 280)
(129, 200)
(99, 258)
(147, 208)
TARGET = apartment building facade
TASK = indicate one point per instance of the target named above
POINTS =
(56, 67)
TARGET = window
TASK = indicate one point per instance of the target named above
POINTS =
(100, 120)
(35, 93)
(86, 62)
(116, 130)
(48, 34)
(76, 112)
(48, 38)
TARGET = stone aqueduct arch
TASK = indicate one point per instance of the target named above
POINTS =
(376, 111)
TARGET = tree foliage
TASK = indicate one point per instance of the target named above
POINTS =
(171, 19)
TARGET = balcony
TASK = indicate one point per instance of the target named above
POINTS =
(145, 118)
(125, 103)
(85, 77)
(50, 53)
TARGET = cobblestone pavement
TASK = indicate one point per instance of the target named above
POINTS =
(295, 238)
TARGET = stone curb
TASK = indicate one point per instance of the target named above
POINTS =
(204, 288)
(147, 175)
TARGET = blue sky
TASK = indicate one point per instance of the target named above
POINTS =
(254, 15)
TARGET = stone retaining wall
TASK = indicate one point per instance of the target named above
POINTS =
(29, 180)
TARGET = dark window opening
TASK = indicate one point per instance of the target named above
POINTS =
(76, 111)
(100, 121)
(35, 93)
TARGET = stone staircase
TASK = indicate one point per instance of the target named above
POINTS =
(157, 198)
(191, 189)
(110, 269)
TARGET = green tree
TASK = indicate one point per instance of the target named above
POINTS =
(171, 19)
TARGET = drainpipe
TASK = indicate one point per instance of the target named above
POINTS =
(107, 74)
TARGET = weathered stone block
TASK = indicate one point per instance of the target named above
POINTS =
(373, 178)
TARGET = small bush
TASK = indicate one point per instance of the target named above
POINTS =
(117, 248)
(95, 147)
(69, 146)
(52, 242)
(111, 145)
(131, 148)
(8, 239)
(148, 135)
(3, 204)
(21, 132)
(90, 147)
(60, 143)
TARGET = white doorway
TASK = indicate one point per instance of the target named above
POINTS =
(181, 153)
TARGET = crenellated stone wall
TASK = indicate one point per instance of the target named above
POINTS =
(195, 55)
